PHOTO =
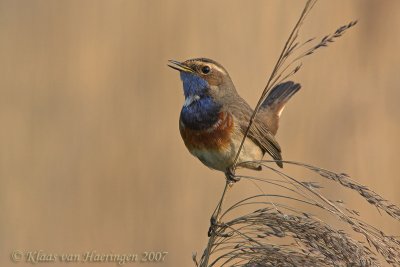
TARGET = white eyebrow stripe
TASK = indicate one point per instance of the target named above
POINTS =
(213, 66)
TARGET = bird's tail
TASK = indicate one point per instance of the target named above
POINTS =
(274, 104)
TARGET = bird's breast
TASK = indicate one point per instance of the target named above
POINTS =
(217, 145)
(217, 137)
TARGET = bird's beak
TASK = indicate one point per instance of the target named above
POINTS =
(179, 66)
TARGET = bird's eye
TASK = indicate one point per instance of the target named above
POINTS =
(205, 70)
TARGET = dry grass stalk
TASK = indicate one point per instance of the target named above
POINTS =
(246, 240)
(287, 64)
(372, 197)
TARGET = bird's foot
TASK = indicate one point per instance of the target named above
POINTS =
(230, 176)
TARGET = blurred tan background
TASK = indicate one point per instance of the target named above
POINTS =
(91, 157)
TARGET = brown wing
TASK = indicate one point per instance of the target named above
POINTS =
(259, 132)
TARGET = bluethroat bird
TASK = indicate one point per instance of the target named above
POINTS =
(214, 117)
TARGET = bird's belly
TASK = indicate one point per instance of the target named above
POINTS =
(223, 158)
(214, 159)
(217, 147)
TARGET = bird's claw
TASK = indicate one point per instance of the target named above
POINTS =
(230, 176)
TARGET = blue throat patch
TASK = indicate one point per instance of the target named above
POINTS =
(202, 113)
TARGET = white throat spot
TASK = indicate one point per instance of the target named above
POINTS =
(190, 99)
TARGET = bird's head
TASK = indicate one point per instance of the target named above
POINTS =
(203, 77)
